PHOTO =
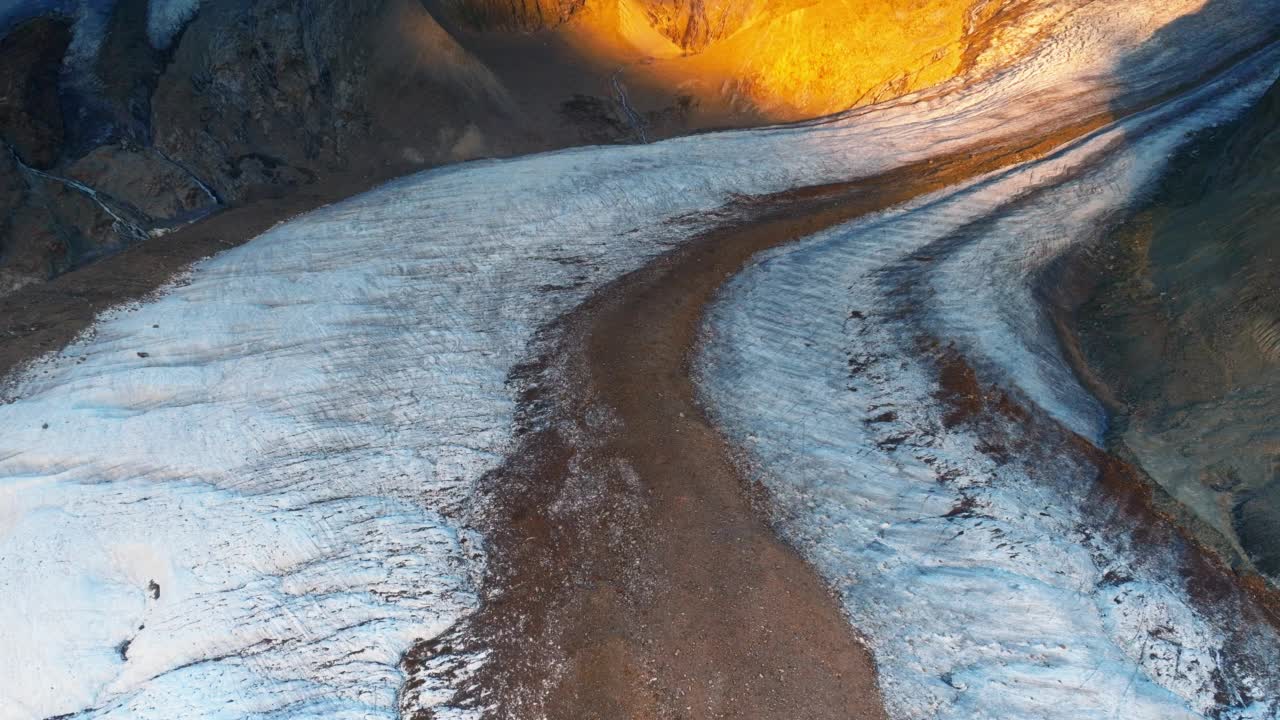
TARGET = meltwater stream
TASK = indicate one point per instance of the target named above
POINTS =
(987, 588)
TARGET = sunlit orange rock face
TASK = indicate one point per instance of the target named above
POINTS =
(775, 59)
(693, 25)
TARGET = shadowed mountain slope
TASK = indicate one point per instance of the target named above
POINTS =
(1184, 330)
(123, 120)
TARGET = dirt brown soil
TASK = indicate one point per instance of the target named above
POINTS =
(633, 574)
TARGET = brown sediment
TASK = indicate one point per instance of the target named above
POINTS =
(632, 572)
(959, 389)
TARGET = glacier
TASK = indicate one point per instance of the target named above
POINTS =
(166, 18)
(251, 493)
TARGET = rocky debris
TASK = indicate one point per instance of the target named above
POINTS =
(256, 95)
(144, 179)
(695, 24)
(690, 24)
(13, 229)
(1255, 522)
(50, 221)
(250, 100)
(264, 95)
(74, 223)
(1253, 149)
(13, 190)
(53, 223)
(125, 76)
(524, 15)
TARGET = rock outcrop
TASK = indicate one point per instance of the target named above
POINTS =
(262, 96)
(145, 180)
(526, 15)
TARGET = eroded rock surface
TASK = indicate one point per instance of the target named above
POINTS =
(145, 179)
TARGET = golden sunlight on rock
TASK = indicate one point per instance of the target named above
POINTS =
(764, 59)
(803, 59)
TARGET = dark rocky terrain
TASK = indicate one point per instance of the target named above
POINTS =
(1183, 329)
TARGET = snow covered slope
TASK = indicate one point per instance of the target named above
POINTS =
(248, 496)
(988, 589)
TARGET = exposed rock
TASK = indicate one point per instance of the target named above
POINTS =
(144, 179)
(30, 116)
(1253, 150)
(695, 24)
(1256, 521)
(514, 14)
(74, 226)
(268, 95)
(690, 24)
(251, 98)
(50, 224)
(599, 121)
(13, 196)
(126, 72)
(13, 191)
